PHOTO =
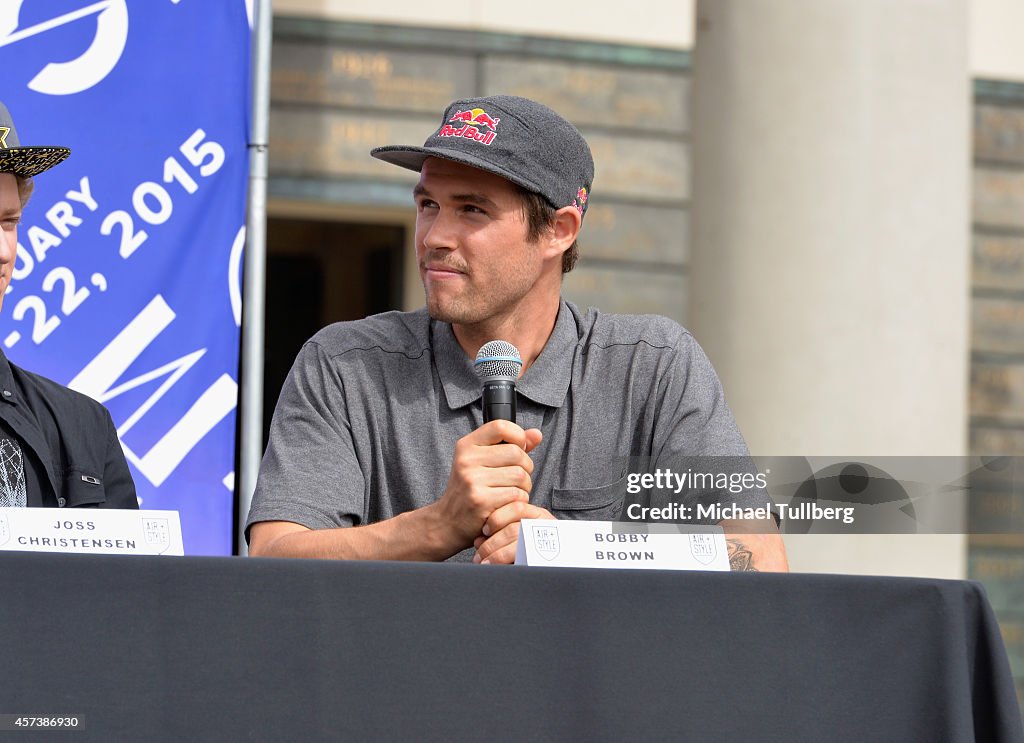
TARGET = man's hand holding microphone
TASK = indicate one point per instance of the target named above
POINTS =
(488, 490)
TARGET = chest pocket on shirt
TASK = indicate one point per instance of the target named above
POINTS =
(82, 490)
(602, 503)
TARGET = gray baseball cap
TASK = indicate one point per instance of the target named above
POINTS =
(516, 138)
(24, 161)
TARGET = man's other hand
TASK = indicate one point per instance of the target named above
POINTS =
(500, 533)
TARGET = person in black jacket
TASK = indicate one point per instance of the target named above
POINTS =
(58, 448)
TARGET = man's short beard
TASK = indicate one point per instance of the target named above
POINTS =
(456, 313)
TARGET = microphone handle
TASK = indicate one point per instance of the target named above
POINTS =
(499, 400)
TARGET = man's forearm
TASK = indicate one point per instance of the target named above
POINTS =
(414, 535)
(755, 546)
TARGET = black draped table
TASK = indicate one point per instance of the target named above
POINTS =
(232, 649)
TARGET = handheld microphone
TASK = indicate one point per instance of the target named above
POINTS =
(498, 365)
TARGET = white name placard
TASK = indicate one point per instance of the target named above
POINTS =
(606, 544)
(93, 530)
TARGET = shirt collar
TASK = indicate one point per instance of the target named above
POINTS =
(545, 382)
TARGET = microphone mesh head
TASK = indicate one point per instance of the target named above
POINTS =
(498, 360)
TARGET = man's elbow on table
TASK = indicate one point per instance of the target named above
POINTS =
(265, 535)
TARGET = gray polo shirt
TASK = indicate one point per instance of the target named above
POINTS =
(369, 415)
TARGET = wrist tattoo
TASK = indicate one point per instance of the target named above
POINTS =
(740, 557)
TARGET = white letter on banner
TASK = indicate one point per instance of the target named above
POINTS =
(98, 377)
(84, 196)
(63, 218)
(27, 264)
(41, 241)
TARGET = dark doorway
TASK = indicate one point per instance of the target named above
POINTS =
(319, 273)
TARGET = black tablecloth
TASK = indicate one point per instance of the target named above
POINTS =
(224, 649)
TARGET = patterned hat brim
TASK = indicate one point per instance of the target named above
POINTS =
(31, 161)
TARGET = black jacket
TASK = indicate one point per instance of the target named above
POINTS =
(73, 437)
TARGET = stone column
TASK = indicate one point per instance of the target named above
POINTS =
(830, 254)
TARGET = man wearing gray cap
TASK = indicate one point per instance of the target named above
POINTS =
(58, 447)
(378, 449)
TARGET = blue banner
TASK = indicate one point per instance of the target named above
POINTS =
(127, 284)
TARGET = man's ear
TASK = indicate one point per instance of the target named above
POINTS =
(564, 229)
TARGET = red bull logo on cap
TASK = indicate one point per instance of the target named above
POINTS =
(580, 202)
(476, 125)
